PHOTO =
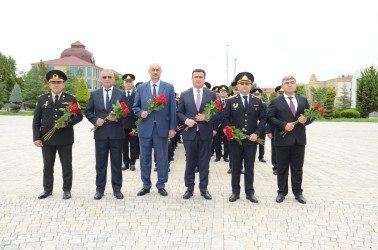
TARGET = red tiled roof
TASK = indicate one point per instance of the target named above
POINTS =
(346, 77)
(77, 43)
(267, 90)
(69, 60)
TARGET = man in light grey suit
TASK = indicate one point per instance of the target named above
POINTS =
(155, 128)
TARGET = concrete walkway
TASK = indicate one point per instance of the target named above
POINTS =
(340, 183)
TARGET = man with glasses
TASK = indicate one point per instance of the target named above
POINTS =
(271, 134)
(46, 113)
(109, 135)
(243, 111)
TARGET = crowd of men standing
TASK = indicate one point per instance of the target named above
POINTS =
(202, 135)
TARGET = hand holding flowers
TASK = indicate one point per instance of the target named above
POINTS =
(209, 110)
(119, 109)
(156, 104)
(239, 134)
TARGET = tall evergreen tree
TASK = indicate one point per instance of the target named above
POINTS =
(273, 94)
(318, 95)
(330, 103)
(344, 101)
(118, 82)
(367, 91)
(33, 87)
(2, 95)
(82, 94)
(8, 75)
(15, 99)
(301, 90)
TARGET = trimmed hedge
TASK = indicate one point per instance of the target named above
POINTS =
(350, 113)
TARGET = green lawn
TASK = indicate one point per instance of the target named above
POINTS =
(21, 113)
(349, 120)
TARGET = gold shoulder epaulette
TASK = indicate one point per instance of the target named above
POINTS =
(233, 96)
(44, 94)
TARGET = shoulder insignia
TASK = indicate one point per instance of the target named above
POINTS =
(233, 96)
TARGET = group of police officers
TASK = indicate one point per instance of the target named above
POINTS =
(244, 109)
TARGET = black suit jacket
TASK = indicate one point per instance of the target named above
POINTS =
(45, 115)
(187, 110)
(131, 118)
(279, 115)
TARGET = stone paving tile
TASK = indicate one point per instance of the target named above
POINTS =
(340, 184)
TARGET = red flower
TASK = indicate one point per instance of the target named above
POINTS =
(73, 108)
(123, 105)
(321, 110)
(219, 105)
(229, 133)
(70, 103)
(316, 106)
(131, 133)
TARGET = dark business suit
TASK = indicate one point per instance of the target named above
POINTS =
(128, 124)
(108, 138)
(153, 131)
(220, 137)
(45, 114)
(197, 143)
(270, 130)
(290, 149)
(235, 114)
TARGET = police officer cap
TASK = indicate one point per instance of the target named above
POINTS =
(256, 91)
(215, 89)
(278, 89)
(139, 83)
(207, 85)
(243, 76)
(223, 87)
(56, 76)
(128, 77)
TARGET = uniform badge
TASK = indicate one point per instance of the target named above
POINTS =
(235, 105)
(46, 103)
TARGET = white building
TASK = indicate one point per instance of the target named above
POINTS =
(355, 78)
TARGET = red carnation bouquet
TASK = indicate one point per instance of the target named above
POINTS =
(239, 135)
(156, 104)
(210, 109)
(70, 110)
(313, 112)
(119, 109)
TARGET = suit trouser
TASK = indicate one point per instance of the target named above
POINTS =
(274, 154)
(160, 145)
(262, 147)
(103, 148)
(293, 157)
(65, 156)
(247, 153)
(132, 140)
(219, 138)
(197, 152)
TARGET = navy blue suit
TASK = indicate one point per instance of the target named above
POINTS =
(197, 143)
(108, 138)
(153, 131)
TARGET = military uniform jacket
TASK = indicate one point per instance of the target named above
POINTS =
(131, 118)
(235, 114)
(47, 112)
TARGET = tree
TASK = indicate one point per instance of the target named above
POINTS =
(2, 95)
(8, 75)
(264, 97)
(72, 82)
(82, 94)
(118, 82)
(367, 91)
(344, 101)
(34, 86)
(301, 90)
(330, 103)
(15, 99)
(318, 95)
(273, 94)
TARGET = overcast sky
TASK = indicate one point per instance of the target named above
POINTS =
(270, 39)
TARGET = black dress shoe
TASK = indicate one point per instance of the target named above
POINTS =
(300, 199)
(132, 167)
(252, 198)
(44, 194)
(234, 197)
(143, 192)
(187, 194)
(217, 158)
(125, 166)
(98, 195)
(169, 167)
(155, 169)
(280, 198)
(162, 192)
(196, 170)
(242, 171)
(206, 195)
(229, 171)
(118, 195)
(262, 160)
(66, 195)
(225, 159)
(274, 171)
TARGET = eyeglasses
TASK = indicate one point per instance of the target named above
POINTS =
(109, 77)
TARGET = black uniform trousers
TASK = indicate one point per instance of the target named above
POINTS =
(262, 147)
(239, 153)
(274, 153)
(197, 153)
(219, 138)
(65, 156)
(103, 147)
(129, 153)
(293, 157)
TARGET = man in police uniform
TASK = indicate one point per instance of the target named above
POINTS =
(45, 115)
(243, 111)
(128, 124)
(257, 93)
(220, 136)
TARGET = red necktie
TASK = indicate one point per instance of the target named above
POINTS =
(154, 93)
(292, 107)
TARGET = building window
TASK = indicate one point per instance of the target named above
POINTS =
(89, 83)
(83, 69)
(51, 68)
(73, 71)
(89, 72)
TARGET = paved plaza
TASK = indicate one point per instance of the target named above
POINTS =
(340, 184)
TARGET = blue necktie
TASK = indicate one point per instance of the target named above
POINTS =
(107, 98)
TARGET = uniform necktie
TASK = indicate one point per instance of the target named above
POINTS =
(107, 98)
(292, 107)
(198, 102)
(56, 100)
(128, 93)
(245, 101)
(154, 93)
